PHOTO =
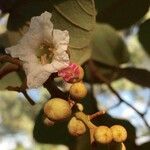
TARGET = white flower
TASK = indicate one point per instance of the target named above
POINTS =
(41, 32)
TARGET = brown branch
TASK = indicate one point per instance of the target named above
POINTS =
(14, 66)
(7, 58)
(30, 100)
(100, 76)
(115, 106)
(22, 89)
(53, 89)
(7, 68)
(95, 115)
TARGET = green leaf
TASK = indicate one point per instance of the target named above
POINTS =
(144, 35)
(108, 47)
(78, 17)
(12, 79)
(9, 38)
(136, 75)
(23, 10)
(121, 14)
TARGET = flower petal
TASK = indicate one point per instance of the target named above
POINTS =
(37, 76)
(41, 32)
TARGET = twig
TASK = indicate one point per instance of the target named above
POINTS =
(28, 97)
(22, 89)
(14, 66)
(99, 76)
(7, 58)
(115, 106)
(95, 115)
(53, 89)
(7, 68)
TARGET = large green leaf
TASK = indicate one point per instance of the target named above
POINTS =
(12, 79)
(23, 10)
(144, 35)
(107, 46)
(78, 17)
(121, 13)
(9, 38)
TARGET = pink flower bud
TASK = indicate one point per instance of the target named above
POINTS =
(73, 73)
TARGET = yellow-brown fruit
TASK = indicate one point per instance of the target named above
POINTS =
(76, 127)
(57, 109)
(103, 135)
(78, 90)
(119, 133)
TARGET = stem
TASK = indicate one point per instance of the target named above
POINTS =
(95, 115)
(8, 68)
(7, 58)
(100, 76)
(54, 90)
(22, 89)
(85, 118)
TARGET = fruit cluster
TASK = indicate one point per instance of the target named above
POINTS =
(57, 109)
(104, 134)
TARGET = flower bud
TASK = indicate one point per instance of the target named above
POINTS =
(78, 90)
(57, 109)
(119, 133)
(76, 127)
(72, 74)
(103, 135)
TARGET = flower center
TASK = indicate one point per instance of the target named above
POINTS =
(45, 53)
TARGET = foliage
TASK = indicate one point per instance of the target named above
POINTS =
(144, 35)
(121, 14)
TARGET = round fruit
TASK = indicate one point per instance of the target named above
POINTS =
(76, 127)
(57, 109)
(78, 90)
(103, 135)
(119, 133)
